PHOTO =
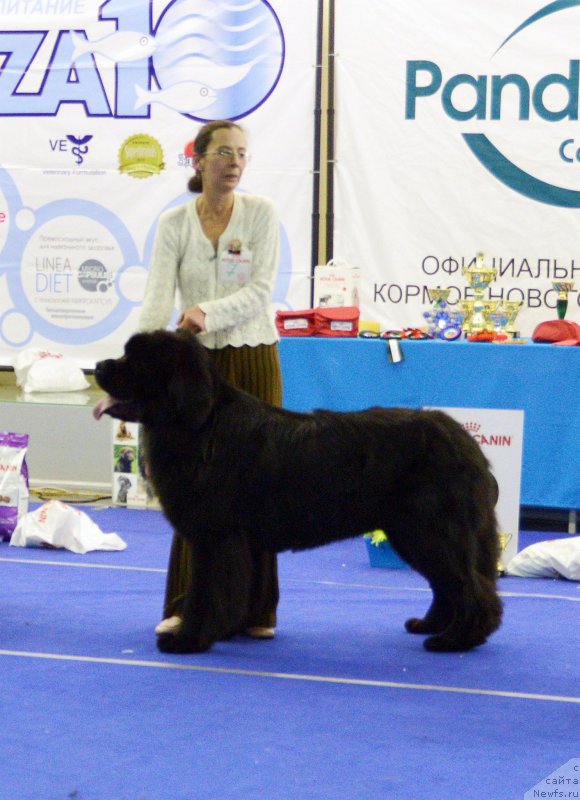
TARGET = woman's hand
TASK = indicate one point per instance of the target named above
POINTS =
(193, 319)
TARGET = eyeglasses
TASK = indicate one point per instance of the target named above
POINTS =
(227, 153)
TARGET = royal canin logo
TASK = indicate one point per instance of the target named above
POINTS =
(493, 440)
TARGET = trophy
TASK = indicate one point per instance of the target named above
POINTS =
(443, 323)
(504, 540)
(477, 311)
(499, 319)
(563, 288)
(467, 310)
(439, 296)
(511, 308)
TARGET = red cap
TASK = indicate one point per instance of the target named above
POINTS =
(557, 331)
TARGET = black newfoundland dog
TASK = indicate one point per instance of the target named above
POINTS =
(233, 473)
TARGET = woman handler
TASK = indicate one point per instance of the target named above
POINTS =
(219, 252)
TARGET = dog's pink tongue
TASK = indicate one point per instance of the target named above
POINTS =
(102, 406)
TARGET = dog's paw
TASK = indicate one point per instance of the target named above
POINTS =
(426, 625)
(429, 624)
(170, 643)
(445, 644)
(415, 625)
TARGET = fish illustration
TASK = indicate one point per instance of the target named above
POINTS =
(218, 76)
(118, 46)
(185, 97)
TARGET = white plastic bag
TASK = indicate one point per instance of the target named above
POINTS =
(56, 524)
(41, 371)
(552, 559)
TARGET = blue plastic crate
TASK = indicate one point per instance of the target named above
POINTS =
(384, 556)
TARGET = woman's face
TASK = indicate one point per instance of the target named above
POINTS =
(224, 161)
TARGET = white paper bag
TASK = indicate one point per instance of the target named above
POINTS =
(336, 284)
(41, 371)
(56, 524)
(552, 559)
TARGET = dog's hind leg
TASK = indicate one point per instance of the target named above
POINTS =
(488, 548)
(472, 596)
(437, 618)
(425, 556)
(466, 608)
(477, 613)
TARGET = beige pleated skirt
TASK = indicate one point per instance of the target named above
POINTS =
(257, 371)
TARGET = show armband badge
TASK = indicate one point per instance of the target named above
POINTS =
(235, 264)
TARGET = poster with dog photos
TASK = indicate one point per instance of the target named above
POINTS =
(129, 482)
(500, 434)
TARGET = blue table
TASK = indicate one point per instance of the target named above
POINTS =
(543, 380)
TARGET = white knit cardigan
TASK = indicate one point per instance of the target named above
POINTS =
(185, 265)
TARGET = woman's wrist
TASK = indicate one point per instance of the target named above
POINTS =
(192, 319)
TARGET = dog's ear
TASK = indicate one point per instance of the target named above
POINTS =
(192, 385)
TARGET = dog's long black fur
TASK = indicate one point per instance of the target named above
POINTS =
(233, 473)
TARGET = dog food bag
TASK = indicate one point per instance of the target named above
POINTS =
(13, 481)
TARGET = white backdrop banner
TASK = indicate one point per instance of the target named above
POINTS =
(457, 132)
(98, 102)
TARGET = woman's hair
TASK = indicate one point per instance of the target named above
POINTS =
(201, 144)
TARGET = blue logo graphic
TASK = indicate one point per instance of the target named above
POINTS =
(206, 59)
(492, 92)
(49, 233)
(517, 179)
(94, 277)
(80, 146)
(215, 59)
(505, 170)
(551, 8)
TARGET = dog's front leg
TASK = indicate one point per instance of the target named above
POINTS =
(216, 604)
(194, 635)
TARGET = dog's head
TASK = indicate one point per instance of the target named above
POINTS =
(162, 378)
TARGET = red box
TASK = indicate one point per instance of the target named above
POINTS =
(339, 321)
(295, 323)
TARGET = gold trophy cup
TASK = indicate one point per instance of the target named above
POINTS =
(511, 308)
(479, 276)
(437, 295)
(504, 540)
(563, 288)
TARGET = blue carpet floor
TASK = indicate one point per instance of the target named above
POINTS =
(341, 705)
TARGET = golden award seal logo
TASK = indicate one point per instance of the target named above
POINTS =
(141, 156)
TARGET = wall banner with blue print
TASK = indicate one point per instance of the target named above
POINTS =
(457, 133)
(99, 102)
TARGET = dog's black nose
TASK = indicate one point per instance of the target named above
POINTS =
(101, 368)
